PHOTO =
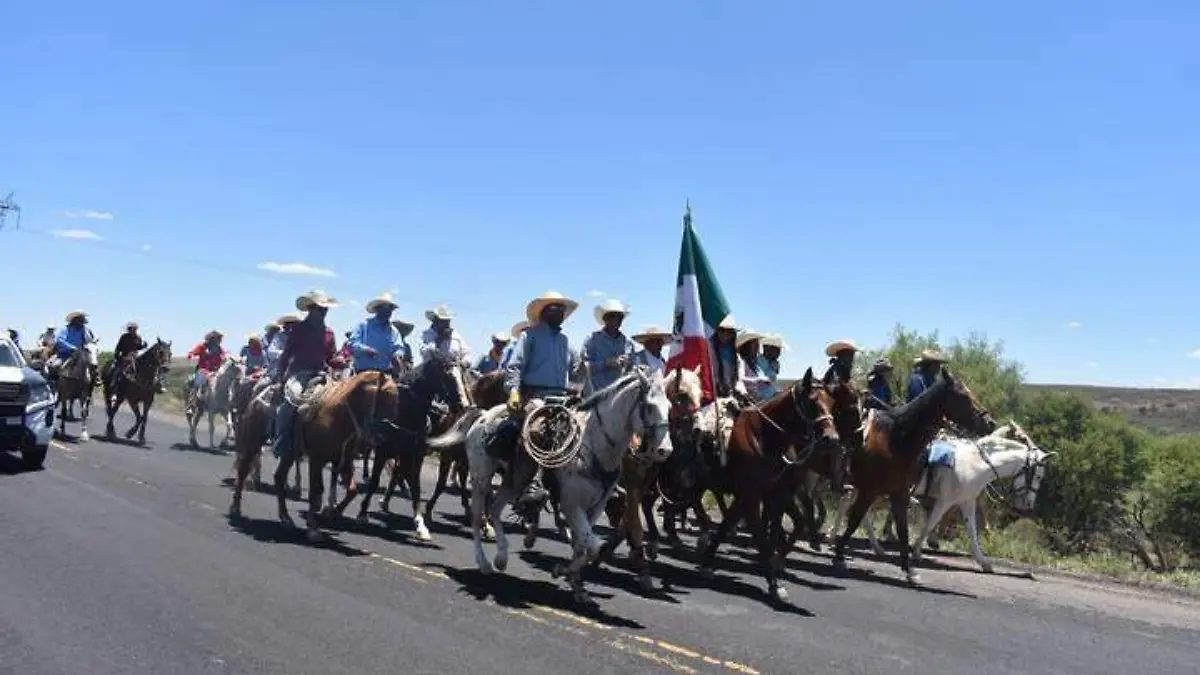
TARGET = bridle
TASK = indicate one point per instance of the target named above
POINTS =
(642, 409)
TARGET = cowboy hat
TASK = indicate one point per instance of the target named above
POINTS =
(518, 328)
(213, 333)
(533, 311)
(315, 299)
(881, 365)
(773, 340)
(253, 337)
(651, 333)
(403, 326)
(286, 319)
(71, 316)
(383, 300)
(501, 338)
(132, 325)
(439, 313)
(610, 306)
(748, 336)
(270, 327)
(728, 323)
(930, 356)
(840, 346)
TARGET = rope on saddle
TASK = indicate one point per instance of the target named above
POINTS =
(552, 435)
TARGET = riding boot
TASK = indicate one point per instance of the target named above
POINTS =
(530, 503)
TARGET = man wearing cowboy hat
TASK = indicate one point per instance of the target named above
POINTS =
(841, 361)
(518, 329)
(308, 351)
(925, 371)
(727, 370)
(879, 386)
(607, 352)
(491, 361)
(69, 339)
(440, 340)
(253, 354)
(375, 343)
(541, 365)
(406, 354)
(127, 348)
(772, 349)
(652, 339)
(277, 341)
(209, 356)
(757, 383)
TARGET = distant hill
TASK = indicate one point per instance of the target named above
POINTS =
(1155, 410)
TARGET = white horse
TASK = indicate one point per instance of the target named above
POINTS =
(215, 398)
(1008, 452)
(636, 404)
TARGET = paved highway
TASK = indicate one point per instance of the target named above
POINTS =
(118, 559)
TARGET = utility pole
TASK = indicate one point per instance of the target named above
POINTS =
(8, 206)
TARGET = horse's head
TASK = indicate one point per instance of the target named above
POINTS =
(814, 406)
(847, 409)
(685, 392)
(444, 378)
(651, 420)
(961, 408)
(160, 352)
(1029, 479)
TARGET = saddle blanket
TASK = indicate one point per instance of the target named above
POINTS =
(940, 453)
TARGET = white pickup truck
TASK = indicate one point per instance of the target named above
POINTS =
(26, 407)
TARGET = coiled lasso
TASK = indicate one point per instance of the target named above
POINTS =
(560, 449)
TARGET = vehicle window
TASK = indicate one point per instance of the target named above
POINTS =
(9, 356)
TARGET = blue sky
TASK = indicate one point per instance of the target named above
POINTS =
(1025, 169)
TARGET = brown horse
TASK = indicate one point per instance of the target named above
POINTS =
(763, 469)
(137, 385)
(892, 446)
(331, 430)
(77, 378)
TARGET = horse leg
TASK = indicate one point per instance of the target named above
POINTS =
(899, 502)
(932, 518)
(316, 486)
(414, 490)
(766, 528)
(652, 534)
(969, 513)
(616, 512)
(858, 510)
(481, 485)
(369, 491)
(281, 474)
(85, 409)
(141, 435)
(710, 544)
(386, 499)
(193, 422)
(212, 429)
(444, 467)
(111, 405)
(247, 454)
(584, 546)
(869, 525)
(639, 553)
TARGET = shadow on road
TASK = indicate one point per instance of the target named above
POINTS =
(126, 442)
(517, 593)
(275, 532)
(621, 579)
(188, 447)
(11, 465)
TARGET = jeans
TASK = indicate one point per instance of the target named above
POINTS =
(285, 419)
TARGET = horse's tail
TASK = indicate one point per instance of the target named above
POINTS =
(457, 433)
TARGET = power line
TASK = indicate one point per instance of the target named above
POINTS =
(7, 206)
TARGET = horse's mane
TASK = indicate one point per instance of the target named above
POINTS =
(606, 393)
(906, 415)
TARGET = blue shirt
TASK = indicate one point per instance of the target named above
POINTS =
(600, 347)
(541, 359)
(918, 383)
(878, 387)
(766, 391)
(70, 338)
(488, 362)
(253, 360)
(507, 355)
(379, 335)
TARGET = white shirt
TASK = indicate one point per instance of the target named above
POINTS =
(645, 358)
(451, 348)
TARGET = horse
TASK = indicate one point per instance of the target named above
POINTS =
(405, 443)
(606, 423)
(137, 386)
(762, 471)
(1008, 452)
(214, 398)
(75, 382)
(893, 442)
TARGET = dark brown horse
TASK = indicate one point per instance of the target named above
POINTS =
(770, 444)
(136, 382)
(331, 430)
(893, 442)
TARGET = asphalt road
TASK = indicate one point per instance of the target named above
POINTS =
(118, 559)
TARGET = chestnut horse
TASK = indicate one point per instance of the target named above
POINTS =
(763, 471)
(893, 442)
(137, 386)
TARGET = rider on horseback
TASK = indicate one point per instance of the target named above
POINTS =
(69, 340)
(772, 348)
(652, 339)
(879, 386)
(209, 356)
(492, 360)
(758, 384)
(925, 371)
(841, 361)
(607, 352)
(253, 355)
(440, 340)
(541, 365)
(518, 329)
(375, 344)
(308, 352)
(124, 354)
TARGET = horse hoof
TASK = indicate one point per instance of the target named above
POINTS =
(839, 564)
(913, 577)
(530, 538)
(779, 593)
(423, 534)
(361, 519)
(987, 569)
(585, 600)
(235, 511)
(558, 571)
(287, 521)
(501, 563)
(652, 551)
(646, 583)
(707, 572)
(702, 543)
(83, 437)
(384, 506)
(315, 536)
(489, 533)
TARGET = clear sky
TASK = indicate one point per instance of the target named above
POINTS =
(1027, 169)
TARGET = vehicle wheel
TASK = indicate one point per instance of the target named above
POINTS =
(34, 457)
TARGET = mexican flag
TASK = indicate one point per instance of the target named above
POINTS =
(699, 307)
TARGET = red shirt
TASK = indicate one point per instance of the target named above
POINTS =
(207, 361)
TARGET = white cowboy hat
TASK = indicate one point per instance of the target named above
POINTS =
(610, 306)
(441, 312)
(533, 311)
(71, 316)
(748, 336)
(213, 333)
(383, 300)
(728, 323)
(315, 299)
(840, 346)
(501, 338)
(270, 327)
(286, 319)
(773, 340)
(403, 326)
(931, 356)
(651, 333)
(254, 337)
(518, 328)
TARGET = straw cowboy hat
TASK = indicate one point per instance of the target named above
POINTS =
(253, 337)
(286, 319)
(610, 306)
(213, 333)
(270, 327)
(131, 325)
(651, 333)
(518, 328)
(840, 346)
(929, 356)
(315, 299)
(71, 316)
(533, 311)
(403, 326)
(748, 336)
(881, 365)
(501, 338)
(383, 300)
(439, 313)
(773, 340)
(729, 323)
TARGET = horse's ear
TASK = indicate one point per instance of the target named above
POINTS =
(946, 374)
(806, 383)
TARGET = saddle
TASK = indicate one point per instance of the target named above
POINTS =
(307, 398)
